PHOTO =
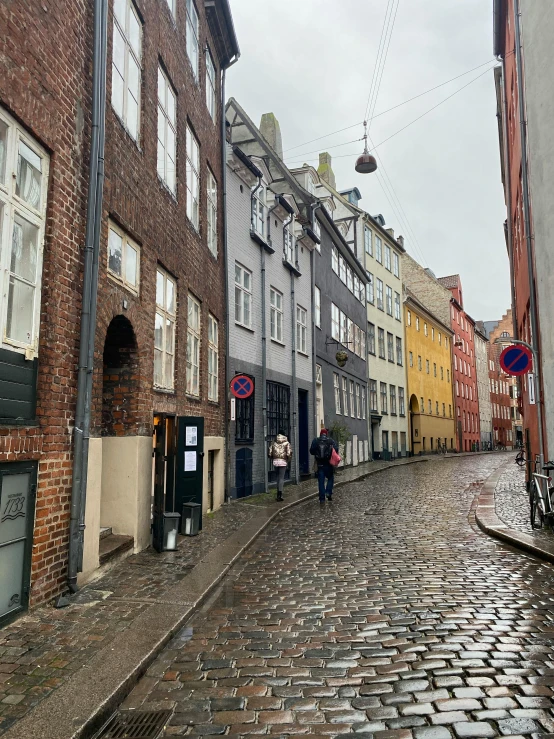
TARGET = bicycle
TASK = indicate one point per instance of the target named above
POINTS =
(520, 458)
(541, 497)
(441, 448)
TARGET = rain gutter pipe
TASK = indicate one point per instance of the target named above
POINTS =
(294, 403)
(313, 209)
(90, 296)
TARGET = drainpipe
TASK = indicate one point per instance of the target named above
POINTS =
(294, 432)
(227, 494)
(89, 301)
(313, 208)
(528, 236)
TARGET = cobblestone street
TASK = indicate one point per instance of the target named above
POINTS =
(512, 503)
(385, 613)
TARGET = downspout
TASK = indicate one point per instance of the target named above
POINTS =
(314, 207)
(89, 301)
(527, 219)
(226, 280)
(294, 403)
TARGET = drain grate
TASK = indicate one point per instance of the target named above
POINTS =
(135, 725)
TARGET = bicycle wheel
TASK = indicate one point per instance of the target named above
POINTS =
(537, 513)
(520, 459)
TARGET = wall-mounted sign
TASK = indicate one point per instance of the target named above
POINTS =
(516, 360)
(242, 386)
(191, 436)
(190, 461)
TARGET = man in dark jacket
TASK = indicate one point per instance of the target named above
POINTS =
(321, 449)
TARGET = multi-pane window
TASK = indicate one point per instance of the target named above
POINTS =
(387, 257)
(427, 366)
(378, 250)
(381, 335)
(425, 328)
(212, 213)
(349, 279)
(398, 350)
(419, 362)
(417, 323)
(390, 347)
(442, 373)
(363, 403)
(342, 269)
(335, 322)
(362, 345)
(336, 387)
(397, 306)
(343, 329)
(126, 63)
(430, 407)
(276, 314)
(123, 257)
(210, 85)
(373, 395)
(193, 179)
(384, 397)
(213, 358)
(396, 265)
(411, 358)
(447, 375)
(301, 329)
(437, 407)
(401, 406)
(440, 337)
(409, 318)
(358, 402)
(422, 405)
(244, 426)
(288, 239)
(23, 185)
(352, 401)
(371, 338)
(192, 37)
(345, 396)
(164, 330)
(444, 409)
(434, 369)
(278, 408)
(380, 294)
(392, 394)
(167, 131)
(369, 289)
(389, 300)
(317, 304)
(335, 259)
(258, 210)
(193, 347)
(368, 241)
(243, 296)
(350, 335)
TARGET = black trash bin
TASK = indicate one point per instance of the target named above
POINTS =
(190, 520)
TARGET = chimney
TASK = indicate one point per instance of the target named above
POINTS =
(400, 240)
(271, 131)
(325, 171)
(390, 231)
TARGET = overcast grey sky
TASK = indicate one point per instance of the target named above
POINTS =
(311, 62)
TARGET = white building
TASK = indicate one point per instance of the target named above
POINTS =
(483, 385)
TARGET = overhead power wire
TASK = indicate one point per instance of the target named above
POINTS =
(380, 72)
(377, 64)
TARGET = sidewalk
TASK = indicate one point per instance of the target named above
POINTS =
(503, 512)
(80, 661)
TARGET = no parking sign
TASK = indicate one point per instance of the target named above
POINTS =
(516, 360)
(242, 386)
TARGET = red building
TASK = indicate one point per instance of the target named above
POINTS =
(466, 400)
(500, 401)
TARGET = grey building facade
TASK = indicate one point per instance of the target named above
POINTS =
(270, 241)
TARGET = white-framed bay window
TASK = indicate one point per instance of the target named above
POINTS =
(123, 257)
(193, 178)
(126, 65)
(243, 296)
(212, 212)
(164, 330)
(192, 37)
(301, 330)
(213, 358)
(194, 315)
(276, 314)
(167, 131)
(23, 189)
(211, 86)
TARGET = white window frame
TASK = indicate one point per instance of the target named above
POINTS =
(276, 315)
(166, 313)
(363, 403)
(211, 86)
(389, 300)
(289, 243)
(213, 358)
(127, 244)
(344, 395)
(211, 195)
(397, 306)
(388, 264)
(193, 178)
(301, 330)
(192, 42)
(396, 264)
(342, 269)
(258, 209)
(167, 128)
(335, 322)
(336, 387)
(343, 329)
(358, 401)
(244, 295)
(14, 207)
(317, 306)
(380, 303)
(132, 55)
(370, 289)
(368, 241)
(352, 400)
(194, 335)
(335, 260)
(378, 250)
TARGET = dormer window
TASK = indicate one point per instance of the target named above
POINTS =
(311, 185)
(259, 210)
(289, 243)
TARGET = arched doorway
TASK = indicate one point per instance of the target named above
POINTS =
(415, 425)
(120, 379)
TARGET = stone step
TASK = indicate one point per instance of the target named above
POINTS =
(105, 531)
(113, 546)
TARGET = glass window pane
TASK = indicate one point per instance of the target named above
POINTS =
(119, 11)
(21, 307)
(171, 104)
(134, 32)
(170, 143)
(158, 364)
(117, 91)
(159, 331)
(161, 88)
(115, 252)
(118, 53)
(131, 265)
(170, 296)
(23, 261)
(132, 116)
(169, 336)
(29, 176)
(134, 78)
(160, 289)
(169, 371)
(3, 150)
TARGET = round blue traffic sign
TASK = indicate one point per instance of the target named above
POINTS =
(516, 360)
(242, 386)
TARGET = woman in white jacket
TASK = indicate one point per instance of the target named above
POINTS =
(280, 452)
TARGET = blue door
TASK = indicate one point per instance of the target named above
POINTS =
(243, 472)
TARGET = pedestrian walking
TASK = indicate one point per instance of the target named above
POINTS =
(322, 448)
(280, 452)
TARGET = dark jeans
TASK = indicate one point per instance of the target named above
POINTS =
(325, 471)
(281, 471)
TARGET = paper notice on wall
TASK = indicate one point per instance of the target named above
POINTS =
(531, 382)
(191, 436)
(190, 461)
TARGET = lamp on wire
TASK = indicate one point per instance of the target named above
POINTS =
(366, 163)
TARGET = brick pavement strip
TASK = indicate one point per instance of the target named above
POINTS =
(50, 652)
(377, 578)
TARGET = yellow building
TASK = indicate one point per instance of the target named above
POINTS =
(429, 365)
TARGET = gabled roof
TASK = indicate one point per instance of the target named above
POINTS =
(220, 20)
(449, 281)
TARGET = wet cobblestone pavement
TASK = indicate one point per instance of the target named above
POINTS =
(386, 613)
(512, 503)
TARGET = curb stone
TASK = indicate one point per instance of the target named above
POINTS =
(81, 705)
(489, 522)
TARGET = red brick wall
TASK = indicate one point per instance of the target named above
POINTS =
(463, 328)
(45, 50)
